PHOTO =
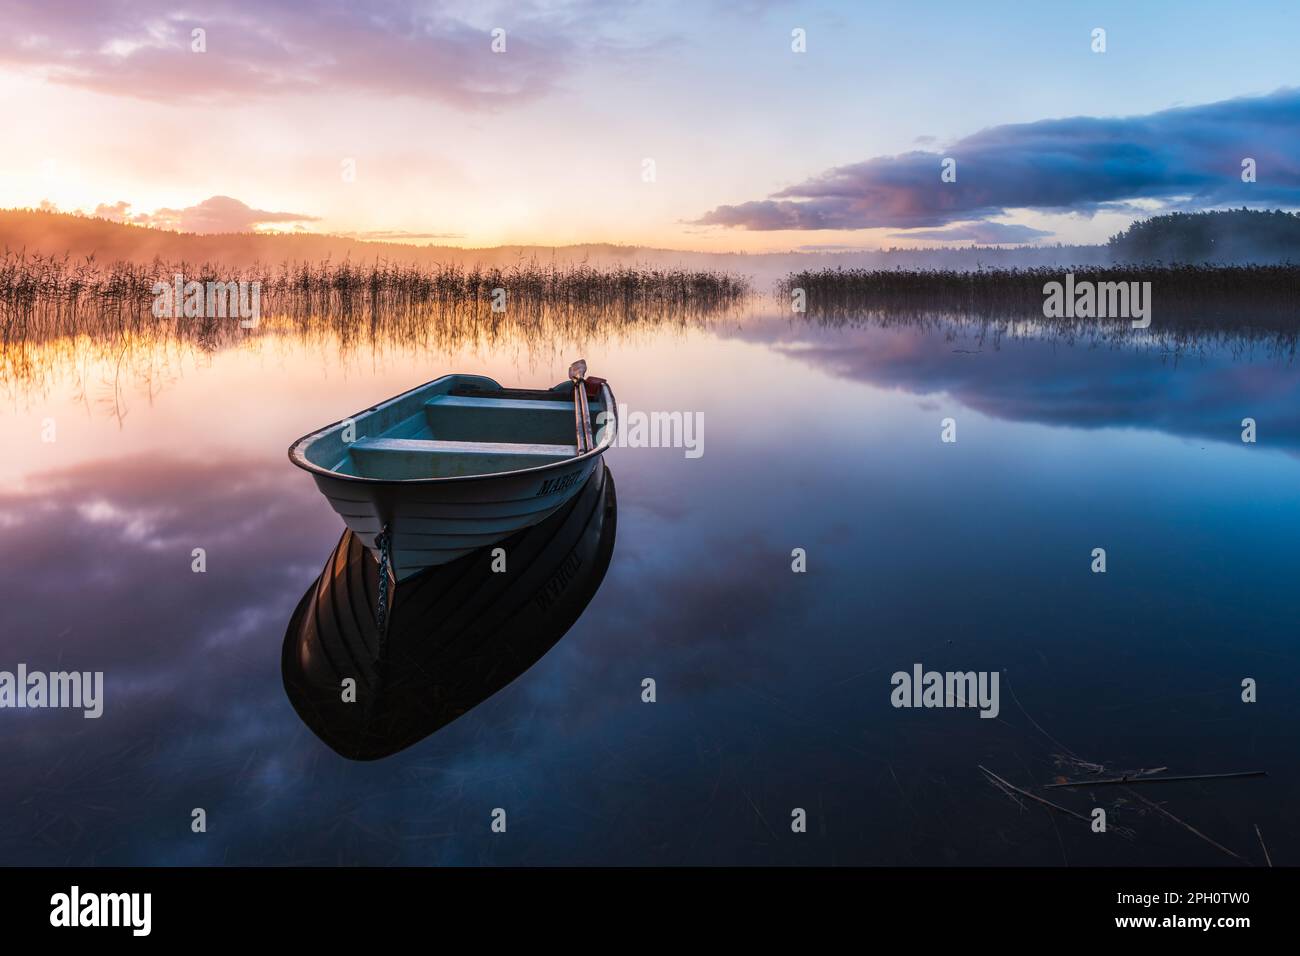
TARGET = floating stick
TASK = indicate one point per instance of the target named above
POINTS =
(1181, 823)
(1038, 799)
(1268, 859)
(1108, 781)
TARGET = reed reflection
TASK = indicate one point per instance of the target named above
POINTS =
(57, 316)
(1185, 380)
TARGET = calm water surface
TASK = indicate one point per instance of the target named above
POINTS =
(773, 687)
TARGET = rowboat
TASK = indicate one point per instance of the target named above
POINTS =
(455, 635)
(458, 464)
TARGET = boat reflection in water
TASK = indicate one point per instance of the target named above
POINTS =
(456, 634)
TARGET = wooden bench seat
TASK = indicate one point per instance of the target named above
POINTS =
(406, 458)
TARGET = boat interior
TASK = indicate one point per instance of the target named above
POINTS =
(457, 426)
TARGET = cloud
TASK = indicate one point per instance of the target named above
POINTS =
(115, 212)
(398, 235)
(985, 233)
(1079, 164)
(145, 49)
(1035, 379)
(833, 247)
(217, 214)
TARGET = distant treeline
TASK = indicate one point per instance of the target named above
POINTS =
(1228, 236)
(1233, 237)
(1268, 295)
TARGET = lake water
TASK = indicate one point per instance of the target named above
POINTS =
(773, 687)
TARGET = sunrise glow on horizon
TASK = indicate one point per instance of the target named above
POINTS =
(669, 127)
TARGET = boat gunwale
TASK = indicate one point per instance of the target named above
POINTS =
(298, 457)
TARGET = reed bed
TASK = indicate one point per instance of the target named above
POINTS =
(1213, 297)
(1241, 311)
(56, 312)
(59, 285)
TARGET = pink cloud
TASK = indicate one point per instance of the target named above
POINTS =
(254, 48)
(214, 215)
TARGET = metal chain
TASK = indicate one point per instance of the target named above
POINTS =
(381, 613)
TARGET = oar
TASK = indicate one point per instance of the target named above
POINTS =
(581, 412)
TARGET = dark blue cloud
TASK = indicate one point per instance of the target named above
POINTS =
(1078, 164)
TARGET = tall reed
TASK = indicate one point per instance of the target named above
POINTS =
(1213, 296)
(51, 307)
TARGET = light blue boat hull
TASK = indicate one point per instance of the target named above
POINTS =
(374, 480)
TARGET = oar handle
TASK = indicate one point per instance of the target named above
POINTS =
(581, 410)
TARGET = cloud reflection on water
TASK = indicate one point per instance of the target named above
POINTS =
(773, 689)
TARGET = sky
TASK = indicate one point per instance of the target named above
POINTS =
(693, 125)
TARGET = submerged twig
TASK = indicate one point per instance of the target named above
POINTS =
(1034, 797)
(1075, 758)
(1007, 681)
(1267, 859)
(1188, 826)
(1126, 832)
